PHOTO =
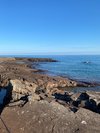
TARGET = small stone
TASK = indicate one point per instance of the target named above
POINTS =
(22, 128)
(84, 122)
(22, 112)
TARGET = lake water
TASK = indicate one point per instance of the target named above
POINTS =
(82, 68)
(78, 67)
(85, 68)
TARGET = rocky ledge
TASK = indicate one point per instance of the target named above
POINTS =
(36, 59)
(38, 103)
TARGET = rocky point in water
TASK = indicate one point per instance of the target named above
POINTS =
(37, 103)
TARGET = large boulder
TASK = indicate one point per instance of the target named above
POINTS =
(20, 90)
(23, 87)
(94, 95)
(44, 117)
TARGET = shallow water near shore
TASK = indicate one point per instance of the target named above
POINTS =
(84, 68)
(82, 89)
(80, 68)
(77, 67)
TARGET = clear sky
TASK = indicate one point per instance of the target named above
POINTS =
(50, 26)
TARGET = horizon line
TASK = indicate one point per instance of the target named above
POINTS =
(46, 54)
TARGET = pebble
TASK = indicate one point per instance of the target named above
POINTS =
(22, 112)
(84, 122)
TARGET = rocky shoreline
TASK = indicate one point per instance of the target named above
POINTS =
(38, 103)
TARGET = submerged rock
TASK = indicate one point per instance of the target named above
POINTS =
(86, 62)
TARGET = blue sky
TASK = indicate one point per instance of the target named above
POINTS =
(49, 26)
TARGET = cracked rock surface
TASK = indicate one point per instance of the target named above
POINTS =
(44, 117)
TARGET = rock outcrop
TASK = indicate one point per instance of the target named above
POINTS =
(44, 117)
(36, 59)
(7, 59)
(21, 92)
(25, 91)
(42, 104)
(23, 87)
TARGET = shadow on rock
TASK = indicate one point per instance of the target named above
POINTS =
(83, 100)
(65, 97)
(6, 99)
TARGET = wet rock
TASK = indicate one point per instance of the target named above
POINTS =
(87, 84)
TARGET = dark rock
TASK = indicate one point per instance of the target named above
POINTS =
(63, 97)
(89, 104)
(83, 96)
(36, 59)
(74, 109)
(98, 108)
(86, 62)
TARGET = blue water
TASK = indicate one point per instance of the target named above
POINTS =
(72, 66)
(75, 68)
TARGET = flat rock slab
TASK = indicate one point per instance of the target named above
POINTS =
(7, 59)
(44, 117)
